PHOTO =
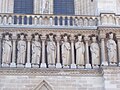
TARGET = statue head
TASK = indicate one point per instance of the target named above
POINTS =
(65, 38)
(111, 35)
(36, 37)
(79, 38)
(93, 39)
(22, 37)
(7, 36)
(51, 37)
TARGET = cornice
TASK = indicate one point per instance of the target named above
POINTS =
(49, 30)
(111, 70)
(51, 72)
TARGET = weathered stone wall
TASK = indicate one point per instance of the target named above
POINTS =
(112, 78)
(57, 79)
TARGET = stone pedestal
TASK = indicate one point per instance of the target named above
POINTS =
(43, 65)
(28, 65)
(20, 66)
(73, 66)
(13, 64)
(35, 66)
(58, 65)
(88, 66)
(5, 65)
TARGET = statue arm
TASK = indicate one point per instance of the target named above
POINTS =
(77, 46)
(83, 47)
(68, 46)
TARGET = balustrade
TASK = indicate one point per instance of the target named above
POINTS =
(47, 20)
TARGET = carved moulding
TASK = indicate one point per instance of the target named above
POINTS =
(51, 72)
(42, 85)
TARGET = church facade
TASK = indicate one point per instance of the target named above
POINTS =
(59, 45)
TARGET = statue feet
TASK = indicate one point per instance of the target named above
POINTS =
(58, 65)
(43, 65)
(73, 66)
(5, 65)
(13, 64)
(88, 66)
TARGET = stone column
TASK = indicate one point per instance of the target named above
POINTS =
(13, 64)
(58, 64)
(73, 65)
(17, 21)
(28, 64)
(68, 21)
(22, 20)
(51, 21)
(63, 21)
(0, 50)
(58, 21)
(28, 20)
(87, 65)
(118, 47)
(103, 59)
(43, 63)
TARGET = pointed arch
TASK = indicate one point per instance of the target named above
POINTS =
(43, 86)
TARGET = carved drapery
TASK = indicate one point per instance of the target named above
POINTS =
(59, 58)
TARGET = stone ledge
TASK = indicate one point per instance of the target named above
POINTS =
(111, 70)
(51, 72)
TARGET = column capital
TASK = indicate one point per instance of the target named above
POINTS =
(72, 38)
(118, 37)
(14, 37)
(43, 37)
(58, 37)
(86, 38)
(29, 38)
(102, 36)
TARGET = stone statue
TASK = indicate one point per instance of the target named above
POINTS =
(21, 47)
(111, 47)
(45, 7)
(95, 52)
(80, 50)
(7, 50)
(36, 51)
(51, 51)
(66, 52)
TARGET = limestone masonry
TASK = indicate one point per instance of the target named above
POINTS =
(47, 51)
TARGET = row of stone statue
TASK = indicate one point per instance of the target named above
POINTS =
(32, 52)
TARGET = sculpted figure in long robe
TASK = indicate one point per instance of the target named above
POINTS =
(45, 6)
(112, 50)
(21, 49)
(36, 51)
(7, 50)
(66, 52)
(95, 52)
(51, 51)
(80, 50)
